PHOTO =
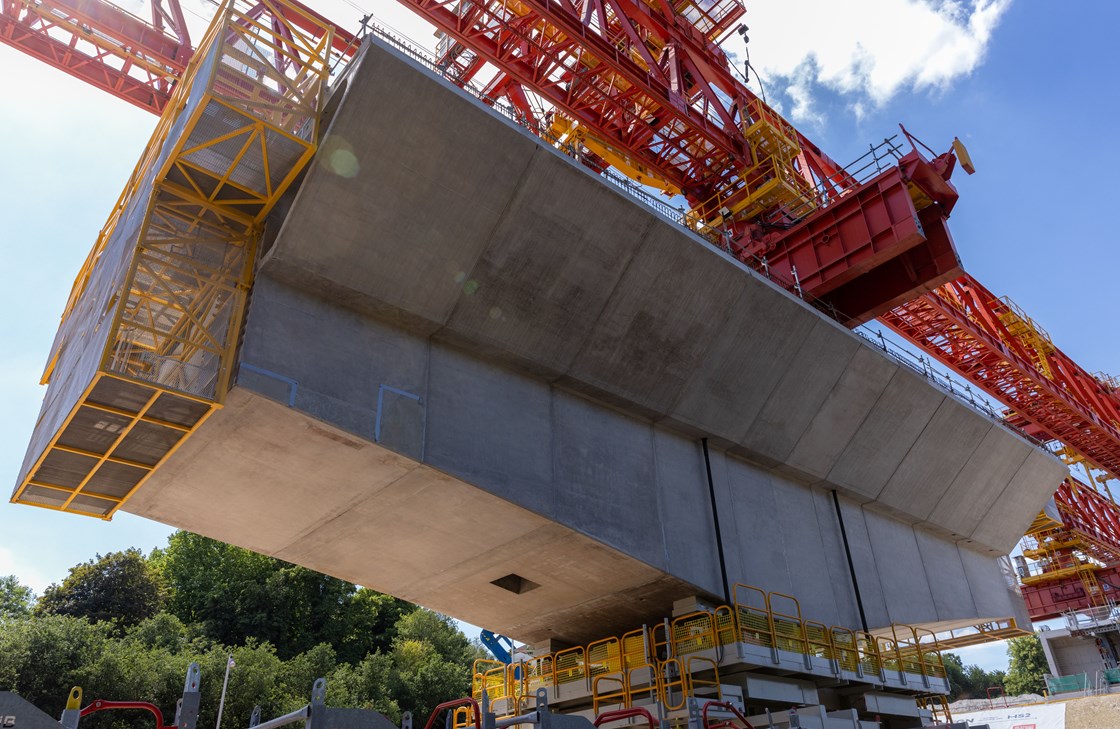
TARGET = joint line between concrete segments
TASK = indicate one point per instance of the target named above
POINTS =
(516, 196)
(614, 290)
(863, 420)
(911, 446)
(1000, 499)
(957, 473)
(809, 423)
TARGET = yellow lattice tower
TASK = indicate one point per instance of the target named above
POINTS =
(145, 350)
(1020, 326)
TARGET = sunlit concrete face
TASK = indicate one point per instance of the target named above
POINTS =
(466, 357)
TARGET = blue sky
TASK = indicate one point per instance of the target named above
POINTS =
(1028, 86)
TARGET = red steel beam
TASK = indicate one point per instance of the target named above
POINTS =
(960, 325)
(1049, 600)
(591, 59)
(101, 44)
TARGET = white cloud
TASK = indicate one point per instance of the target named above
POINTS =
(867, 51)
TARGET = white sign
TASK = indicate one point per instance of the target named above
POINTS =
(1039, 716)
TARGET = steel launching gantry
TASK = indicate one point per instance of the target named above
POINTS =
(640, 87)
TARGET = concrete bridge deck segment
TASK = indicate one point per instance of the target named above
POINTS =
(468, 357)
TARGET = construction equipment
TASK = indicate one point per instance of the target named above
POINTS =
(186, 708)
(499, 645)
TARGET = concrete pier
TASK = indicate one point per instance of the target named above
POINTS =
(476, 376)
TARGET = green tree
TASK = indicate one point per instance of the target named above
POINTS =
(1026, 672)
(431, 662)
(15, 599)
(233, 594)
(119, 586)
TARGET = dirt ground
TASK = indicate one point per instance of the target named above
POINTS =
(1094, 712)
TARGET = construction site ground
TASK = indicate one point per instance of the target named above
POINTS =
(1087, 712)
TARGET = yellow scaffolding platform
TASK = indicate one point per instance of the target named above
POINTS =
(146, 346)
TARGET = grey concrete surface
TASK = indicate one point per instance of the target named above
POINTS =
(514, 368)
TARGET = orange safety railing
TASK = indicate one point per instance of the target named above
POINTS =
(712, 687)
(673, 684)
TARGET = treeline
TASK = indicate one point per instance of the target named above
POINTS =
(1025, 673)
(125, 626)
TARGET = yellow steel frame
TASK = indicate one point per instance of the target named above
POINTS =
(175, 321)
(981, 633)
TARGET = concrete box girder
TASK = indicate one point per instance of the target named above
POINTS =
(500, 337)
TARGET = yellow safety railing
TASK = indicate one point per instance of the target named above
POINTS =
(693, 632)
(635, 648)
(659, 642)
(643, 683)
(674, 687)
(845, 648)
(604, 657)
(570, 665)
(662, 662)
(789, 628)
(869, 660)
(489, 676)
(818, 640)
(609, 690)
(890, 657)
(752, 611)
(726, 630)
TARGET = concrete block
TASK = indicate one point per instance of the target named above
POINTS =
(492, 427)
(408, 182)
(906, 587)
(1009, 516)
(603, 467)
(840, 581)
(990, 590)
(871, 586)
(762, 556)
(685, 517)
(945, 573)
